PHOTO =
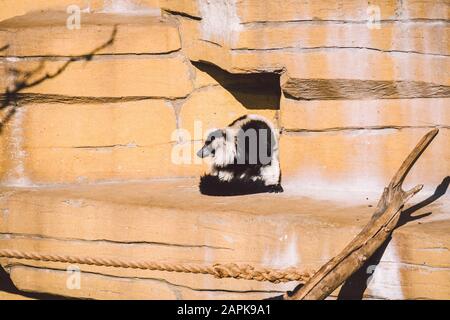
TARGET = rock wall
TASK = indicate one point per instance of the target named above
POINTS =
(101, 117)
(170, 222)
(355, 96)
(126, 118)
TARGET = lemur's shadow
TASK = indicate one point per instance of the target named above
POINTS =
(356, 285)
(213, 186)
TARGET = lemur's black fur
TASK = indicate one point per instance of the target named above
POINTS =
(246, 168)
(212, 186)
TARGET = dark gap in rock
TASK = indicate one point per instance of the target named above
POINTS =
(253, 90)
(6, 285)
(182, 14)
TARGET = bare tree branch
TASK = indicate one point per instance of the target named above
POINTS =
(363, 246)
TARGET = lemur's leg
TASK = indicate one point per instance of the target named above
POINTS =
(271, 174)
(225, 175)
(251, 174)
(276, 188)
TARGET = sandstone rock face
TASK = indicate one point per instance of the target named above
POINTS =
(149, 221)
(27, 35)
(130, 95)
(98, 107)
(86, 99)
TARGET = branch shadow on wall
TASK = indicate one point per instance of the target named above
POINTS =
(356, 285)
(252, 90)
(11, 96)
(10, 101)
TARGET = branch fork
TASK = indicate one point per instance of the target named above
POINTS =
(374, 234)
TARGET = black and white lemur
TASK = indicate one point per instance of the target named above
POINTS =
(244, 158)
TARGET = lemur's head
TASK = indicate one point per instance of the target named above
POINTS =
(220, 146)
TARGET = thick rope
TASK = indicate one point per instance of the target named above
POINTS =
(229, 270)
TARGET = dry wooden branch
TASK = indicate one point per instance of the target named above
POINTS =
(376, 232)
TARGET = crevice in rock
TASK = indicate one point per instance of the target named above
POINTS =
(437, 249)
(211, 42)
(108, 241)
(176, 105)
(257, 23)
(112, 276)
(181, 14)
(37, 98)
(112, 146)
(97, 56)
(299, 49)
(253, 90)
(368, 128)
(418, 266)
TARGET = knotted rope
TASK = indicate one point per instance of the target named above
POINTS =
(228, 270)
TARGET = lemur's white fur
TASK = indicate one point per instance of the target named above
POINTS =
(224, 175)
(271, 173)
(225, 153)
(225, 149)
